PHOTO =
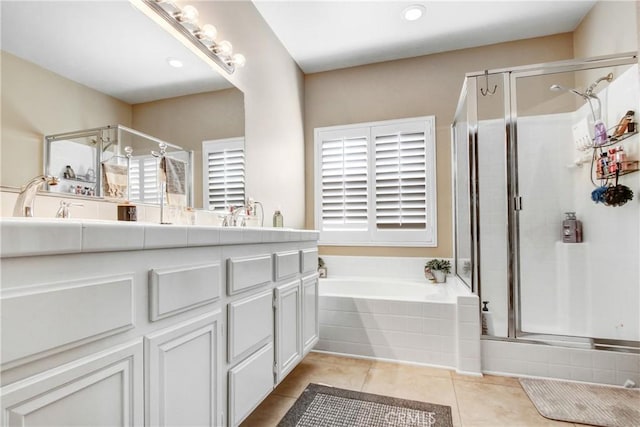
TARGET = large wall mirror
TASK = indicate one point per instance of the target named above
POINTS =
(69, 66)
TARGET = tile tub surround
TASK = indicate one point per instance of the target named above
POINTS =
(444, 332)
(411, 268)
(577, 364)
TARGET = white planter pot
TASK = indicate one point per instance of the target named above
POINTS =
(439, 275)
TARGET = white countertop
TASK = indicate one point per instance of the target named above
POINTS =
(43, 236)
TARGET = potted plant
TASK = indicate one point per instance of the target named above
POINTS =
(322, 270)
(437, 270)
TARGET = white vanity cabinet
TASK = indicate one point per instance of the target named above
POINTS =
(249, 353)
(175, 325)
(183, 381)
(288, 308)
(105, 389)
(310, 320)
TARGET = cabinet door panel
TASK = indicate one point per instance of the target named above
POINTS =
(105, 389)
(288, 328)
(250, 325)
(183, 379)
(310, 326)
(249, 383)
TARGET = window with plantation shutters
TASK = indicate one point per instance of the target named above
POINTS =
(143, 179)
(344, 180)
(375, 183)
(400, 176)
(223, 173)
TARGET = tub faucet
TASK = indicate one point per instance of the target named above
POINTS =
(238, 219)
(24, 204)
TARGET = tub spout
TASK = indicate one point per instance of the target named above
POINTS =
(24, 204)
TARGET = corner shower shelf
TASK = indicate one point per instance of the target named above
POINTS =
(611, 141)
(631, 165)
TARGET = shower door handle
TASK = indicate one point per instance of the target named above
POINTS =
(517, 203)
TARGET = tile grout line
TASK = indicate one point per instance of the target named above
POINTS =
(455, 393)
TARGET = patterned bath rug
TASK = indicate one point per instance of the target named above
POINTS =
(597, 405)
(322, 406)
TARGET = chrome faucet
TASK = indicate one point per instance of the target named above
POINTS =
(63, 211)
(238, 222)
(24, 204)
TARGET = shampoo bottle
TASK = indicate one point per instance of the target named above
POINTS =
(487, 321)
(278, 220)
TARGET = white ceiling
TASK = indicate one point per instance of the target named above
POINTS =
(327, 35)
(112, 47)
(109, 46)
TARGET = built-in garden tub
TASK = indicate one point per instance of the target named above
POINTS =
(402, 320)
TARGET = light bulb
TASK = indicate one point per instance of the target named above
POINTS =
(209, 31)
(188, 15)
(239, 60)
(224, 48)
(413, 13)
(175, 63)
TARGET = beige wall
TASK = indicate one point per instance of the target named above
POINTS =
(37, 102)
(273, 87)
(408, 88)
(610, 27)
(189, 120)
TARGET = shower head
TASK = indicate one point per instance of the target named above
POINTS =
(587, 96)
(589, 91)
(557, 88)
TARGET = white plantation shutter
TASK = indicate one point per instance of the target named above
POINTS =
(143, 179)
(344, 180)
(375, 183)
(400, 176)
(224, 173)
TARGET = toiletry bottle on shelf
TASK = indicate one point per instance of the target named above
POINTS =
(278, 220)
(487, 321)
(600, 133)
(571, 229)
(623, 126)
(621, 156)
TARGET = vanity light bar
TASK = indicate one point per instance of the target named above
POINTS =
(185, 21)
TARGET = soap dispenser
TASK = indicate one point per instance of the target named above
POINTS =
(571, 229)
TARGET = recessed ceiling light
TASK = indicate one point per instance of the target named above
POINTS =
(414, 12)
(175, 63)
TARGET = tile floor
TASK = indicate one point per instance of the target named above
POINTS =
(475, 402)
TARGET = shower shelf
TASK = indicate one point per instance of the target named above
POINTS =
(632, 166)
(611, 142)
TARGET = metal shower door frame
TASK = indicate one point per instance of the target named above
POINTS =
(515, 203)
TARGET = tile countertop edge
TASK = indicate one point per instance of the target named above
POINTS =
(35, 236)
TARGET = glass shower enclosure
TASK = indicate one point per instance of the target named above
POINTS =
(535, 147)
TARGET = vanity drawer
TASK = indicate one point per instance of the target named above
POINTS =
(175, 290)
(249, 383)
(286, 264)
(247, 273)
(308, 260)
(52, 317)
(250, 325)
